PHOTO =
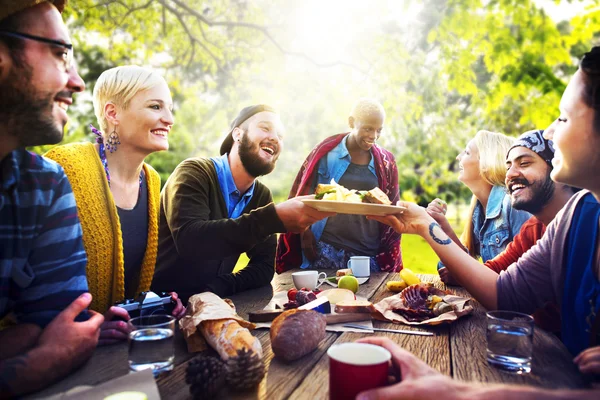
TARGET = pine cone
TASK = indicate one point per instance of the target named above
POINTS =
(246, 370)
(205, 375)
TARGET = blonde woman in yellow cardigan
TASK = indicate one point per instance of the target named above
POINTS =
(117, 193)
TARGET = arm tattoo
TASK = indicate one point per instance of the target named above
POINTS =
(437, 239)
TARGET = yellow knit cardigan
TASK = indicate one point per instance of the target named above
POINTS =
(102, 237)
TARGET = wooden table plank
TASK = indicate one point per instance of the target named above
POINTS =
(457, 350)
(468, 344)
(282, 378)
(434, 350)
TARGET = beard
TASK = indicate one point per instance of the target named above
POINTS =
(254, 165)
(27, 112)
(542, 192)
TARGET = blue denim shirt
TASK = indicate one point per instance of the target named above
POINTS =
(235, 201)
(500, 226)
(332, 166)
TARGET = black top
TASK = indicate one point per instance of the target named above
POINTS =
(134, 230)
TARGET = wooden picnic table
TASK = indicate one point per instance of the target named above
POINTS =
(457, 350)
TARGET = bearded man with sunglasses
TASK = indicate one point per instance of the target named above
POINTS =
(43, 288)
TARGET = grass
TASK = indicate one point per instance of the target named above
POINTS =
(416, 254)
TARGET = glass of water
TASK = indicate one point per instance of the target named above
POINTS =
(510, 341)
(151, 343)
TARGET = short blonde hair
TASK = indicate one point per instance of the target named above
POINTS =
(492, 147)
(119, 85)
(366, 106)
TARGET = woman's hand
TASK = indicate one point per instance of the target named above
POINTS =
(179, 310)
(437, 209)
(111, 330)
(413, 220)
(446, 277)
(588, 361)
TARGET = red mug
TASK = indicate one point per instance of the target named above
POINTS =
(356, 367)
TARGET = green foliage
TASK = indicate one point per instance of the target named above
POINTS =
(457, 67)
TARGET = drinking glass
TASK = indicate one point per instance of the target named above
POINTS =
(510, 341)
(151, 343)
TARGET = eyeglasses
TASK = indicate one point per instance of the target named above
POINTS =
(67, 56)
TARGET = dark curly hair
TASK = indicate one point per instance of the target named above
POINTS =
(590, 68)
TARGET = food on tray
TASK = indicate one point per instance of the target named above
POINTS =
(376, 196)
(396, 286)
(354, 306)
(296, 333)
(422, 301)
(304, 296)
(343, 272)
(292, 294)
(336, 192)
(321, 305)
(409, 277)
(336, 295)
(300, 297)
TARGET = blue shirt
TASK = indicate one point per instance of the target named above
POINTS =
(235, 201)
(495, 229)
(332, 166)
(42, 259)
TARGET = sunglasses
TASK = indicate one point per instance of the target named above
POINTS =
(67, 56)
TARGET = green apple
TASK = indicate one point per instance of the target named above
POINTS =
(348, 282)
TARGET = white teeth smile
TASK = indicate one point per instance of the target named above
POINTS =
(62, 105)
(160, 132)
(268, 150)
(515, 187)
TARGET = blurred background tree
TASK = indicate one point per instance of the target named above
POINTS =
(442, 69)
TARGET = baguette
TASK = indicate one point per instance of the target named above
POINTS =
(227, 336)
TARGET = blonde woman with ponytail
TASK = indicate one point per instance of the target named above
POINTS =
(492, 223)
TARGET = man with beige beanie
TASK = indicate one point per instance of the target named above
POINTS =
(43, 288)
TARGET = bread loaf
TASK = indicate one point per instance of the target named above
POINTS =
(354, 306)
(227, 336)
(296, 333)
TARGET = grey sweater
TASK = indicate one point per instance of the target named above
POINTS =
(538, 276)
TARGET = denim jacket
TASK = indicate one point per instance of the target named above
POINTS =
(501, 224)
(333, 166)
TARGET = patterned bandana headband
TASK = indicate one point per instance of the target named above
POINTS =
(535, 141)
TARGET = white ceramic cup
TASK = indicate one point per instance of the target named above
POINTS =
(360, 266)
(308, 279)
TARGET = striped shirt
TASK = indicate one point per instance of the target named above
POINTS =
(42, 259)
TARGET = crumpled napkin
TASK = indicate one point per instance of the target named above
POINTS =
(206, 306)
(460, 305)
